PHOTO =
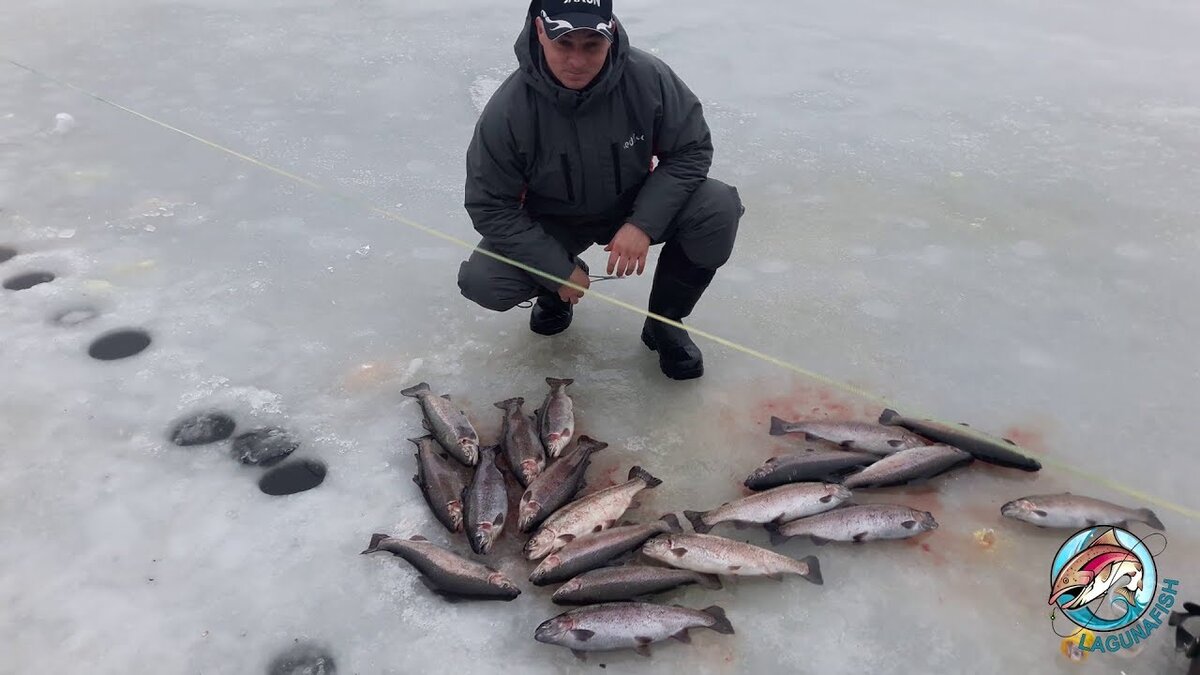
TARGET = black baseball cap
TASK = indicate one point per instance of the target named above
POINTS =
(563, 16)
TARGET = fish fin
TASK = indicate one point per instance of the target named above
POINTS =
(679, 551)
(908, 525)
(635, 504)
(826, 499)
(498, 521)
(862, 536)
(777, 427)
(417, 479)
(425, 424)
(1010, 442)
(672, 522)
(581, 634)
(639, 472)
(1151, 519)
(1091, 523)
(964, 424)
(582, 656)
(734, 568)
(515, 401)
(774, 575)
(447, 397)
(844, 444)
(559, 382)
(683, 636)
(819, 541)
(416, 390)
(889, 417)
(1040, 513)
(895, 443)
(442, 593)
(709, 581)
(814, 570)
(1176, 617)
(374, 545)
(417, 537)
(697, 520)
(773, 530)
(740, 525)
(566, 538)
(643, 649)
(720, 621)
(627, 523)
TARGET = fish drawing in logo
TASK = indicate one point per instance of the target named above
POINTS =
(1095, 571)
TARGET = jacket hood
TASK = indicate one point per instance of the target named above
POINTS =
(529, 58)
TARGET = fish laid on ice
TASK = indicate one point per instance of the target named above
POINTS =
(593, 550)
(1076, 512)
(520, 441)
(820, 465)
(627, 625)
(447, 423)
(610, 584)
(556, 417)
(447, 573)
(556, 485)
(442, 481)
(908, 465)
(485, 503)
(858, 523)
(718, 555)
(594, 513)
(781, 504)
(878, 439)
(998, 451)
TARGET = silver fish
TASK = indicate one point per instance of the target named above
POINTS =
(820, 465)
(858, 523)
(908, 465)
(874, 438)
(594, 513)
(718, 555)
(556, 417)
(781, 504)
(556, 485)
(447, 423)
(627, 625)
(610, 584)
(446, 573)
(593, 550)
(1076, 512)
(998, 451)
(520, 441)
(442, 481)
(486, 503)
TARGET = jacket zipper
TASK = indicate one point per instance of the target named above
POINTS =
(616, 158)
(566, 167)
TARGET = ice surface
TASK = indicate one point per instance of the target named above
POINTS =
(984, 212)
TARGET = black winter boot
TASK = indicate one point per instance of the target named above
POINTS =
(678, 285)
(550, 315)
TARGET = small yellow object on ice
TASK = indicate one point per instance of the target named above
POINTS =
(986, 538)
(1070, 646)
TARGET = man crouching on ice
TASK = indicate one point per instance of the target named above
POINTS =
(562, 159)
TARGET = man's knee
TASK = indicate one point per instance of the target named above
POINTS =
(710, 227)
(488, 290)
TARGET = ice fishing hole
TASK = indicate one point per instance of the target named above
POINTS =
(119, 344)
(303, 659)
(74, 316)
(7, 253)
(29, 280)
(292, 477)
(203, 428)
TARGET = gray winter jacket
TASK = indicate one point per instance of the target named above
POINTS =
(542, 152)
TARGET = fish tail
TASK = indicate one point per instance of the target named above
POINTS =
(814, 570)
(559, 382)
(1151, 519)
(710, 581)
(697, 518)
(420, 439)
(889, 416)
(777, 537)
(416, 390)
(590, 444)
(510, 403)
(376, 539)
(778, 427)
(672, 522)
(720, 621)
(639, 472)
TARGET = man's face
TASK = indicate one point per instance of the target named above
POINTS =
(575, 58)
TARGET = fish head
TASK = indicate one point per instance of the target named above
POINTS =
(1023, 509)
(837, 493)
(658, 548)
(925, 521)
(548, 565)
(571, 586)
(484, 537)
(554, 631)
(500, 580)
(540, 544)
(530, 468)
(527, 511)
(470, 449)
(454, 509)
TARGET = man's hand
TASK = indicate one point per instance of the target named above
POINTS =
(628, 250)
(579, 278)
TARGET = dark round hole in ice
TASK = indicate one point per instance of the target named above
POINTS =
(119, 344)
(202, 429)
(264, 447)
(292, 477)
(74, 316)
(29, 280)
(7, 253)
(303, 659)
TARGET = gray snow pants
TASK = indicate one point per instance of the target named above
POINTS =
(704, 229)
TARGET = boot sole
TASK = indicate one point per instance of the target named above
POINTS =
(689, 372)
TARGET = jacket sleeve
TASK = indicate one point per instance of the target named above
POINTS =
(494, 187)
(684, 148)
